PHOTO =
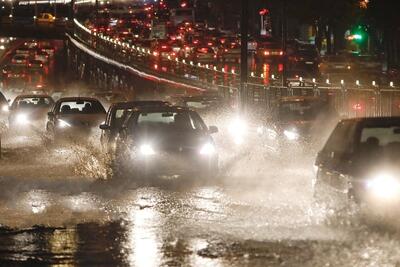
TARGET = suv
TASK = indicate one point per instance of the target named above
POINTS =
(360, 161)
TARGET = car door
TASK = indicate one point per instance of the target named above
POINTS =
(105, 134)
(334, 160)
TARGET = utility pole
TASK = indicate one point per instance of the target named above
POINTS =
(244, 57)
(284, 42)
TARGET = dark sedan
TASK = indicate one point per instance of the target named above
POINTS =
(166, 142)
(116, 116)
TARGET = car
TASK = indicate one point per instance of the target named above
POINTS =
(42, 56)
(162, 51)
(50, 50)
(45, 18)
(359, 164)
(305, 57)
(203, 55)
(166, 141)
(74, 117)
(24, 50)
(269, 51)
(29, 110)
(116, 116)
(14, 72)
(300, 120)
(35, 64)
(230, 52)
(341, 64)
(20, 59)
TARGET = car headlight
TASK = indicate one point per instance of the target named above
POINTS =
(63, 124)
(22, 119)
(4, 108)
(291, 134)
(384, 186)
(207, 149)
(238, 129)
(146, 150)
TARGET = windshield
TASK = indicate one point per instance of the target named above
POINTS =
(81, 107)
(379, 141)
(169, 120)
(32, 102)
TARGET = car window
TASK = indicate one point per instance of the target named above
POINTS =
(342, 138)
(32, 102)
(81, 107)
(381, 136)
(169, 120)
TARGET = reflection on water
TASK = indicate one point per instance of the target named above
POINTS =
(142, 238)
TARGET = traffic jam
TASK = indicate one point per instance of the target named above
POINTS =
(95, 172)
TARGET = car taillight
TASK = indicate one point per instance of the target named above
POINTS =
(357, 107)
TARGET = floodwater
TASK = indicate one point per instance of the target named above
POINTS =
(59, 207)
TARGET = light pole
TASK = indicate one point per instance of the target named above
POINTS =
(244, 58)
(284, 42)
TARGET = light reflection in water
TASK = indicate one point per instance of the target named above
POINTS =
(63, 243)
(143, 242)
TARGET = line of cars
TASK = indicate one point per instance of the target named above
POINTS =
(358, 163)
(145, 138)
(194, 41)
(28, 65)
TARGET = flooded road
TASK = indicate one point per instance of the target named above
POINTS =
(59, 206)
(55, 212)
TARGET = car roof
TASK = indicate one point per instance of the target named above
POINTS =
(373, 119)
(134, 104)
(33, 96)
(162, 109)
(77, 98)
(299, 98)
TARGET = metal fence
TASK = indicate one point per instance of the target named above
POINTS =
(348, 102)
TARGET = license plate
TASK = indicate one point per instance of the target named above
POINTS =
(309, 63)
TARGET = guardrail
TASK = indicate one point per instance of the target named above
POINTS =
(348, 102)
(204, 76)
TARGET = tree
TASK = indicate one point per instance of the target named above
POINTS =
(383, 15)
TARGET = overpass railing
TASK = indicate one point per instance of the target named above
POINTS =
(352, 100)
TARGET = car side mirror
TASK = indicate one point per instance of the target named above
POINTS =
(213, 129)
(104, 127)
